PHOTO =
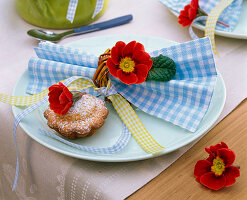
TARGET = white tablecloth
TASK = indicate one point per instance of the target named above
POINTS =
(45, 174)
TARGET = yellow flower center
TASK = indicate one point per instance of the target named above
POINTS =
(127, 65)
(218, 166)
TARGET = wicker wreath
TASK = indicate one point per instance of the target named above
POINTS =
(100, 77)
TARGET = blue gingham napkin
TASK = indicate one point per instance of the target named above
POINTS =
(182, 101)
(229, 16)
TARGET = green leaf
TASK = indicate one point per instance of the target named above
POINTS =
(76, 96)
(163, 69)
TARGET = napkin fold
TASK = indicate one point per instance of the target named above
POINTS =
(182, 101)
(229, 16)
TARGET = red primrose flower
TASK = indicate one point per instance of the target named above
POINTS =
(217, 171)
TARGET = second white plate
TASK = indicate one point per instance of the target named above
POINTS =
(240, 31)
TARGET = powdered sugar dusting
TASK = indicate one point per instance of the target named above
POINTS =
(87, 114)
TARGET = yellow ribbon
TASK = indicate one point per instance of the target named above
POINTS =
(212, 20)
(131, 120)
(29, 100)
(123, 108)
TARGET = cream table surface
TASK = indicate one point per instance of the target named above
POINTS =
(45, 174)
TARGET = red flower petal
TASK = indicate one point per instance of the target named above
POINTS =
(184, 21)
(185, 11)
(54, 90)
(192, 13)
(56, 107)
(189, 13)
(128, 49)
(61, 85)
(66, 108)
(60, 98)
(63, 99)
(115, 55)
(211, 181)
(54, 96)
(223, 145)
(194, 4)
(53, 87)
(202, 167)
(116, 52)
(211, 156)
(127, 78)
(140, 56)
(112, 67)
(149, 63)
(141, 72)
(120, 45)
(59, 94)
(198, 178)
(227, 155)
(65, 96)
(209, 151)
(68, 94)
(56, 110)
(217, 146)
(231, 173)
(139, 47)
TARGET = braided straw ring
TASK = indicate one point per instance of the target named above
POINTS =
(100, 77)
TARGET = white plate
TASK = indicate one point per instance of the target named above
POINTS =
(168, 135)
(240, 31)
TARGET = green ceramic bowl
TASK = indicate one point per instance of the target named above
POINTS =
(52, 13)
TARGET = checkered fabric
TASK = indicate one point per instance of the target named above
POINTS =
(18, 118)
(82, 84)
(134, 124)
(30, 100)
(75, 82)
(71, 10)
(182, 101)
(130, 119)
(229, 16)
(49, 51)
(98, 7)
(212, 20)
(23, 114)
(22, 101)
(73, 5)
(118, 146)
(44, 73)
(198, 19)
